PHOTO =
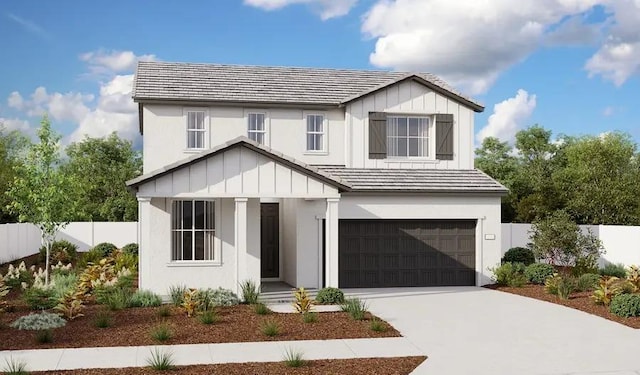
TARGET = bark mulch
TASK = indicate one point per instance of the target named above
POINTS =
(361, 366)
(133, 326)
(579, 301)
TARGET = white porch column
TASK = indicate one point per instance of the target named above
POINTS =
(331, 243)
(144, 242)
(241, 240)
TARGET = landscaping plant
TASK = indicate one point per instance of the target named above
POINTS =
(355, 307)
(223, 297)
(625, 305)
(566, 286)
(130, 248)
(16, 277)
(14, 367)
(261, 309)
(164, 311)
(4, 290)
(293, 358)
(585, 264)
(310, 317)
(71, 305)
(104, 249)
(270, 328)
(330, 295)
(551, 284)
(250, 292)
(161, 332)
(587, 282)
(39, 297)
(608, 288)
(161, 360)
(145, 298)
(62, 251)
(519, 255)
(209, 317)
(633, 276)
(303, 303)
(176, 293)
(537, 273)
(103, 319)
(510, 274)
(190, 302)
(615, 270)
(42, 323)
(377, 325)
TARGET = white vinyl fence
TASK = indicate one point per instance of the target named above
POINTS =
(621, 243)
(21, 240)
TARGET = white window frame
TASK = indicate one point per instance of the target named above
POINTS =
(264, 131)
(324, 133)
(430, 136)
(204, 130)
(215, 238)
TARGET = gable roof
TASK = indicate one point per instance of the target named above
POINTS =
(165, 81)
(290, 162)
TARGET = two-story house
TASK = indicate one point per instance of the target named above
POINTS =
(313, 177)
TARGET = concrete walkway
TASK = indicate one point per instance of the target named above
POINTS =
(273, 351)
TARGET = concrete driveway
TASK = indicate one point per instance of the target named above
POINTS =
(469, 330)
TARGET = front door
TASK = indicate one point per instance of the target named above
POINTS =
(269, 241)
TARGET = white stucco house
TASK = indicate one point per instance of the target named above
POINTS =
(311, 177)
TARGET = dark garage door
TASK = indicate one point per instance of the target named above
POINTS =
(395, 253)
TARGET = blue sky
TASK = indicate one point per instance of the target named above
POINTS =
(569, 65)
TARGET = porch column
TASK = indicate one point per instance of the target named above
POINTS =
(144, 242)
(241, 240)
(331, 243)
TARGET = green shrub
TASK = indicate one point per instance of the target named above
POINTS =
(63, 283)
(551, 284)
(61, 251)
(39, 298)
(519, 255)
(330, 295)
(145, 298)
(566, 286)
(164, 311)
(587, 282)
(162, 332)
(130, 248)
(377, 325)
(15, 367)
(92, 256)
(310, 317)
(126, 260)
(585, 264)
(114, 297)
(293, 358)
(161, 360)
(104, 249)
(355, 307)
(103, 319)
(270, 328)
(537, 273)
(261, 309)
(209, 298)
(616, 270)
(176, 292)
(625, 305)
(250, 292)
(44, 337)
(42, 323)
(510, 274)
(209, 317)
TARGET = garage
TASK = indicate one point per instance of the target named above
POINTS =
(377, 253)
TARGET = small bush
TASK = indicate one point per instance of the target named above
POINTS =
(104, 249)
(223, 297)
(261, 309)
(330, 295)
(164, 311)
(162, 332)
(250, 292)
(92, 256)
(310, 317)
(161, 360)
(615, 270)
(61, 251)
(130, 248)
(176, 292)
(510, 274)
(606, 290)
(125, 260)
(537, 273)
(377, 325)
(115, 298)
(303, 302)
(566, 286)
(585, 264)
(270, 328)
(551, 284)
(587, 282)
(145, 298)
(355, 307)
(103, 319)
(44, 336)
(625, 305)
(293, 358)
(15, 367)
(63, 284)
(209, 317)
(519, 255)
(42, 323)
(39, 298)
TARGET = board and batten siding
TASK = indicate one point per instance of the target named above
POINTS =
(237, 172)
(407, 97)
(165, 132)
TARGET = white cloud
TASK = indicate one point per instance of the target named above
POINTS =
(14, 124)
(508, 117)
(30, 26)
(15, 100)
(470, 43)
(608, 111)
(111, 62)
(60, 107)
(326, 8)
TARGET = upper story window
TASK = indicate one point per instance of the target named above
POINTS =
(195, 130)
(257, 129)
(408, 136)
(315, 133)
(192, 230)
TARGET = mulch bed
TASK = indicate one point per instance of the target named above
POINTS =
(361, 366)
(132, 327)
(579, 301)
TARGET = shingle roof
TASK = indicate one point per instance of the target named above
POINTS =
(416, 180)
(268, 84)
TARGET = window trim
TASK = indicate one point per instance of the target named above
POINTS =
(266, 131)
(205, 130)
(217, 243)
(430, 136)
(325, 133)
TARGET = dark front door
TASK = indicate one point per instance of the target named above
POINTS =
(398, 253)
(269, 240)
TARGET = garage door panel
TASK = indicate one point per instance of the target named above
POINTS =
(385, 253)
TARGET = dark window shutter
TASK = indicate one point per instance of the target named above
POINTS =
(444, 136)
(377, 135)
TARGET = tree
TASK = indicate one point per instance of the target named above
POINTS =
(496, 159)
(41, 194)
(102, 166)
(12, 143)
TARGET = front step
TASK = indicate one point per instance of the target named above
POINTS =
(283, 296)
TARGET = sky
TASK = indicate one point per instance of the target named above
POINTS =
(571, 66)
